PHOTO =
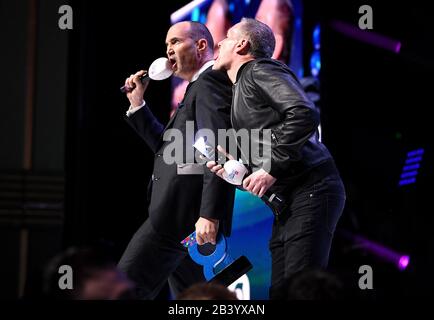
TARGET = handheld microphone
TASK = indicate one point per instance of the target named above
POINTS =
(274, 201)
(142, 78)
(234, 174)
(160, 69)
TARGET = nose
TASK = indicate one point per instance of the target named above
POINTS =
(169, 51)
(220, 43)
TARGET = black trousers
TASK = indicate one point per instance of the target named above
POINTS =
(302, 236)
(151, 259)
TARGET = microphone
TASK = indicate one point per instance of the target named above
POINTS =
(142, 78)
(274, 201)
(160, 69)
(235, 171)
(234, 174)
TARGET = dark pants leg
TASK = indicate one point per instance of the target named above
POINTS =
(187, 273)
(302, 237)
(151, 259)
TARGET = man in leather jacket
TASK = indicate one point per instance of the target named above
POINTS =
(267, 95)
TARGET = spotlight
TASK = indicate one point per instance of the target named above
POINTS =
(401, 261)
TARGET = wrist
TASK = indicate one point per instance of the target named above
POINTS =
(137, 103)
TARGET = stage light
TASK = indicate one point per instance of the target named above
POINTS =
(366, 36)
(186, 10)
(315, 63)
(315, 58)
(416, 152)
(408, 174)
(411, 166)
(195, 14)
(316, 37)
(401, 261)
(412, 160)
(231, 7)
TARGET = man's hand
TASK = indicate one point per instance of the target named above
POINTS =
(218, 168)
(206, 230)
(136, 95)
(258, 182)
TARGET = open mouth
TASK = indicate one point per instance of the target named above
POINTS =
(173, 64)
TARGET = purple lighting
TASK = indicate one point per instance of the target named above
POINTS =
(403, 262)
(382, 252)
(370, 37)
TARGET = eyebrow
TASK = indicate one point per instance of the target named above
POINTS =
(172, 39)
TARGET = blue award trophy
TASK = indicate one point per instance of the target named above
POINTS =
(218, 265)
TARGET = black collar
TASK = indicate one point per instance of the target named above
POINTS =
(240, 70)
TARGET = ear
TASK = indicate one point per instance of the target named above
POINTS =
(202, 45)
(279, 47)
(242, 47)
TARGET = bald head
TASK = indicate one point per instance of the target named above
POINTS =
(189, 46)
(195, 31)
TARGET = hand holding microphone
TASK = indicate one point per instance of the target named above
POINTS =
(135, 87)
(258, 182)
(233, 171)
(136, 84)
(218, 169)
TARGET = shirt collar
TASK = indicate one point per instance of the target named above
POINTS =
(202, 69)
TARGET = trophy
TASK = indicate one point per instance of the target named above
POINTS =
(218, 265)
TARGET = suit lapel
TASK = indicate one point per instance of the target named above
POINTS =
(180, 105)
(171, 120)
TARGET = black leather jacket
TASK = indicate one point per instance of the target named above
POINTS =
(267, 95)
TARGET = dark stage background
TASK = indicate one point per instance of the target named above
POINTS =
(72, 172)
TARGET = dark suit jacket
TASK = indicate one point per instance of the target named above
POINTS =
(177, 201)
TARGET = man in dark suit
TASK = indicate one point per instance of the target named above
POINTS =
(184, 196)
